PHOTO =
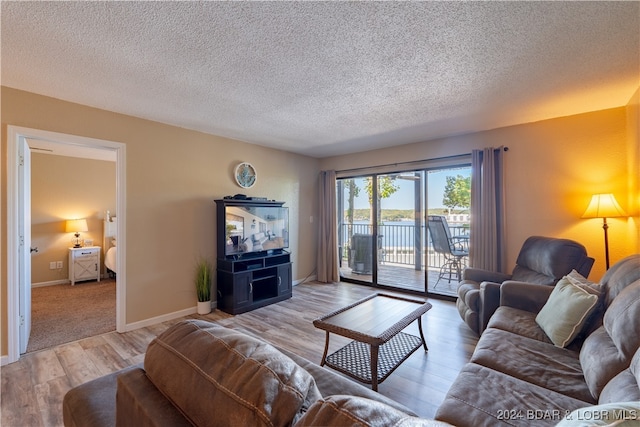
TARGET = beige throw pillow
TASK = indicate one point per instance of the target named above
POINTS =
(566, 312)
(581, 281)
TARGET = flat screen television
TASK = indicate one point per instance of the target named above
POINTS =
(251, 230)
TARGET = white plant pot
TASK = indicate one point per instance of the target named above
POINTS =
(204, 307)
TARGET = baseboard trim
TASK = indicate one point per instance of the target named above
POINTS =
(306, 279)
(50, 283)
(165, 317)
(4, 360)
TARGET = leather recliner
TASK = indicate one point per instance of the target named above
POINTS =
(542, 260)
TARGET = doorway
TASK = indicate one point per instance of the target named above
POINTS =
(382, 230)
(18, 231)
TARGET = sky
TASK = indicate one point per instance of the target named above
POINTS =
(403, 198)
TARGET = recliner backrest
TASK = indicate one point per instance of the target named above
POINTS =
(545, 260)
(619, 276)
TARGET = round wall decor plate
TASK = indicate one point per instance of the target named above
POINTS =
(245, 175)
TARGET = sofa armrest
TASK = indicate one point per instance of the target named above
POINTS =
(140, 403)
(524, 296)
(480, 275)
(489, 302)
(93, 403)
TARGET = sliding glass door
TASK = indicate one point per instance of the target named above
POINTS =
(382, 227)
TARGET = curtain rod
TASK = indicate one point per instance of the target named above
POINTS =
(455, 156)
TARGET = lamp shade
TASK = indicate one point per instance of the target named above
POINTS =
(76, 225)
(603, 206)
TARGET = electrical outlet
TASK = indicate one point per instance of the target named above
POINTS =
(59, 264)
(52, 265)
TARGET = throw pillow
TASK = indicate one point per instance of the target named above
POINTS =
(625, 414)
(565, 312)
(595, 318)
(581, 281)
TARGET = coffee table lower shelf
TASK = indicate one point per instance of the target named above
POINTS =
(354, 359)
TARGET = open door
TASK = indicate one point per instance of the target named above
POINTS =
(24, 248)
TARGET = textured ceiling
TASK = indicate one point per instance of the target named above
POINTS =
(327, 78)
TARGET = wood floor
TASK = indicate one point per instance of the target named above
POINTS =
(33, 387)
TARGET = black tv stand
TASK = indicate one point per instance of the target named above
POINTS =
(248, 283)
(249, 280)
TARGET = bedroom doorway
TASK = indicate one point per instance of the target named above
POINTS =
(20, 140)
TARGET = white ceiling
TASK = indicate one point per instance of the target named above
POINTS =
(327, 78)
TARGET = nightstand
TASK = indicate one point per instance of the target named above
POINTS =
(84, 264)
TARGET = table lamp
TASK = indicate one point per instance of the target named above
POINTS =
(76, 226)
(604, 206)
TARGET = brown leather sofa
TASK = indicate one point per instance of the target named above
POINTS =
(198, 373)
(542, 260)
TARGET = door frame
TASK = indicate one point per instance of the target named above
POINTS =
(20, 135)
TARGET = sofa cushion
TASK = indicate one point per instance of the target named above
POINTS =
(619, 414)
(624, 386)
(621, 320)
(533, 361)
(610, 348)
(481, 397)
(344, 410)
(237, 379)
(519, 322)
(566, 312)
(619, 276)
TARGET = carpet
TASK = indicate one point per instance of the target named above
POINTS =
(65, 313)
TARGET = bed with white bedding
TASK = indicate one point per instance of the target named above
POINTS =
(110, 246)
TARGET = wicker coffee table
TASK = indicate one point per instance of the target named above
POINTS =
(375, 324)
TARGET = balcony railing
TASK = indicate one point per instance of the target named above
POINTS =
(399, 243)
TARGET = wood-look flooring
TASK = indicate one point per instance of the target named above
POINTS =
(33, 387)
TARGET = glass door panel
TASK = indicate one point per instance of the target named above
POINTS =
(401, 230)
(448, 195)
(355, 230)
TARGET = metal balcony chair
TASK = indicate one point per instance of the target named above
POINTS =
(454, 249)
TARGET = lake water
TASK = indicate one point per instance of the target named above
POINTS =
(395, 234)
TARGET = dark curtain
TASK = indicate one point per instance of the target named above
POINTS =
(328, 270)
(488, 241)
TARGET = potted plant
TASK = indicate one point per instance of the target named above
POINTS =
(203, 285)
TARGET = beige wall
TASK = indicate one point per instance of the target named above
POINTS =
(173, 176)
(66, 188)
(552, 169)
(633, 136)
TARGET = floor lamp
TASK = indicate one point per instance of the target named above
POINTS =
(604, 206)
